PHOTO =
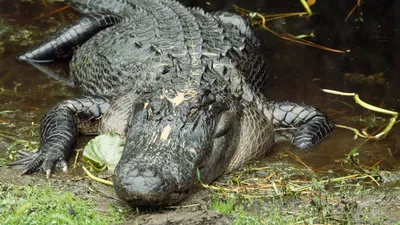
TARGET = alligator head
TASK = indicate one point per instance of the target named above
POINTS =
(173, 135)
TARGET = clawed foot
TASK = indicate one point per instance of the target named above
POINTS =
(46, 161)
(313, 132)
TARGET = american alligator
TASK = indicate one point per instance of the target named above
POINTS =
(183, 87)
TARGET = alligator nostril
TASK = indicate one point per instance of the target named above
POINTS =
(139, 186)
(144, 182)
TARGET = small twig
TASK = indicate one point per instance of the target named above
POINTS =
(300, 161)
(357, 133)
(270, 176)
(371, 167)
(282, 15)
(100, 180)
(76, 159)
(260, 168)
(7, 136)
(286, 37)
(275, 188)
(182, 206)
(103, 193)
(53, 12)
(354, 8)
(293, 38)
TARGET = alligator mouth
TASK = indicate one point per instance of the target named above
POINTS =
(146, 187)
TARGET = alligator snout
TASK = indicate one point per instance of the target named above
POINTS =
(140, 186)
(157, 181)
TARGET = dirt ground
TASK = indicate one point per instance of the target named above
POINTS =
(103, 195)
(382, 203)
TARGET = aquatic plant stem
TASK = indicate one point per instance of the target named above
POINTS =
(307, 7)
(358, 4)
(93, 177)
(364, 134)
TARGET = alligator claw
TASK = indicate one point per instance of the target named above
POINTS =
(32, 165)
(32, 162)
(43, 160)
(26, 171)
(48, 173)
(301, 143)
(26, 158)
(63, 165)
(65, 169)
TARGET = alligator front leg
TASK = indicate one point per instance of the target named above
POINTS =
(59, 131)
(304, 125)
(63, 42)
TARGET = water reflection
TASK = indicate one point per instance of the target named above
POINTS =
(298, 72)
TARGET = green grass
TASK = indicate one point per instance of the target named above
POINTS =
(254, 212)
(322, 199)
(43, 205)
(279, 211)
(225, 206)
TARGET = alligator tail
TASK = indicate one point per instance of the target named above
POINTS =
(63, 42)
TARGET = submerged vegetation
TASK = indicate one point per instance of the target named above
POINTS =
(11, 34)
(27, 35)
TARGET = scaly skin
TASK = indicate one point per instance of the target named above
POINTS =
(182, 85)
(62, 43)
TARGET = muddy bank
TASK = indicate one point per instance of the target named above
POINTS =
(297, 74)
(343, 203)
(192, 211)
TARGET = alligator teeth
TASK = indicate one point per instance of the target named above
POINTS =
(48, 173)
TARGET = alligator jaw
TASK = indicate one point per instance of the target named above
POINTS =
(146, 187)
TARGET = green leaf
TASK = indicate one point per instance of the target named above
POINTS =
(316, 184)
(104, 150)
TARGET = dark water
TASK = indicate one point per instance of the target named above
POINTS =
(297, 72)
